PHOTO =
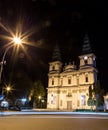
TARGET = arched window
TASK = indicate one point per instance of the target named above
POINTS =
(69, 80)
(86, 78)
(52, 81)
(53, 67)
(85, 61)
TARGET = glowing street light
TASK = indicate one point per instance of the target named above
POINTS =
(8, 88)
(17, 40)
(39, 97)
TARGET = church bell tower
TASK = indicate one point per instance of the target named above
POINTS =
(88, 60)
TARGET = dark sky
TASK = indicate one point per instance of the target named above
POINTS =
(62, 22)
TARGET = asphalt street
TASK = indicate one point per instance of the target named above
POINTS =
(53, 121)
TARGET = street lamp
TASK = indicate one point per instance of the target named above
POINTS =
(17, 41)
(8, 88)
(39, 97)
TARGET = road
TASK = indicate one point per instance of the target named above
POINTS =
(54, 121)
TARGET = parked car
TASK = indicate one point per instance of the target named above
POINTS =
(14, 108)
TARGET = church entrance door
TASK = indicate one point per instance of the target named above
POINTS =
(69, 105)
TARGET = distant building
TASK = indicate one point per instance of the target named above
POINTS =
(68, 86)
(106, 102)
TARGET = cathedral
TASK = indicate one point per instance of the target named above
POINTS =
(68, 85)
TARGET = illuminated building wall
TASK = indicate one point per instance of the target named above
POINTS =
(68, 87)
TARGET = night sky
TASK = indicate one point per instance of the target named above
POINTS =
(62, 22)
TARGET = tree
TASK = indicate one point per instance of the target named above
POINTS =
(91, 101)
(37, 94)
(95, 95)
(98, 94)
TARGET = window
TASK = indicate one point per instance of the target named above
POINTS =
(52, 99)
(86, 78)
(85, 61)
(53, 68)
(52, 81)
(83, 100)
(69, 80)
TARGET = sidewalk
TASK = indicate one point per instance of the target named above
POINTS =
(48, 112)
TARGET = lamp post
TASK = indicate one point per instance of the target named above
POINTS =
(17, 41)
(39, 97)
(3, 62)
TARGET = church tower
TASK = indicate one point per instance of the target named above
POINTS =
(88, 62)
(56, 65)
(55, 68)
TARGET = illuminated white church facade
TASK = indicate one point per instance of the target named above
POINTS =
(68, 85)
